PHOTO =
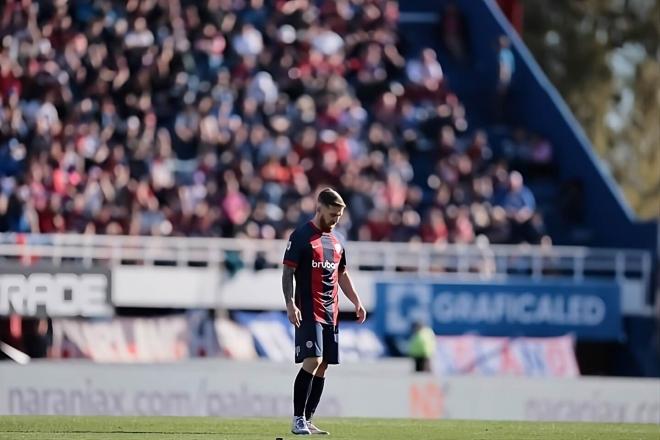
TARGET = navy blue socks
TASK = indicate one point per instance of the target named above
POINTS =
(314, 396)
(301, 390)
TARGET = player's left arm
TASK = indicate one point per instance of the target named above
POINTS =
(348, 288)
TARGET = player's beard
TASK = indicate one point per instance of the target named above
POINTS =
(325, 226)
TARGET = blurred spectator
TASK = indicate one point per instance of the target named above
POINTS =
(426, 69)
(506, 64)
(454, 32)
(506, 67)
(531, 153)
(434, 229)
(520, 204)
(425, 74)
(248, 41)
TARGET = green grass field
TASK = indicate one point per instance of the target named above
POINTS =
(189, 428)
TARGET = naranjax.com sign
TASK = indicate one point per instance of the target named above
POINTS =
(242, 400)
(224, 388)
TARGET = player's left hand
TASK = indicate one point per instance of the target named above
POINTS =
(360, 312)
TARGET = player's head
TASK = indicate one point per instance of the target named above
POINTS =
(330, 207)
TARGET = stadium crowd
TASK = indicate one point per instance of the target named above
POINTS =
(222, 118)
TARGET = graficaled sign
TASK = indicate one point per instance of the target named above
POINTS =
(55, 292)
(590, 310)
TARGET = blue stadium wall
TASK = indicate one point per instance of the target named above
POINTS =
(535, 104)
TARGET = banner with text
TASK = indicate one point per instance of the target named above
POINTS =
(590, 310)
(161, 339)
(494, 356)
(229, 388)
(55, 292)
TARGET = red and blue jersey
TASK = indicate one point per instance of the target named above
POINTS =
(318, 258)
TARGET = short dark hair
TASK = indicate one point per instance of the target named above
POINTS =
(330, 197)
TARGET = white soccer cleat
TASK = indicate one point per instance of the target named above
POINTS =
(299, 426)
(314, 430)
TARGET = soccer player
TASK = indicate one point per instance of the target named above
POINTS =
(316, 257)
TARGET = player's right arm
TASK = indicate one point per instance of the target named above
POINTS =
(291, 257)
(292, 311)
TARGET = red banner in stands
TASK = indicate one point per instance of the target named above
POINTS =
(492, 356)
(164, 339)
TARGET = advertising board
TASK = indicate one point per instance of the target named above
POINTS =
(590, 309)
(55, 292)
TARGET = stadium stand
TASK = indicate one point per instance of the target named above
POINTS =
(168, 118)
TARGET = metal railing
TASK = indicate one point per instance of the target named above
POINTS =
(420, 258)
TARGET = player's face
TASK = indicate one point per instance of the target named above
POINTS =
(330, 215)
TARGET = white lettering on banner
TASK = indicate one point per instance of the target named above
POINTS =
(166, 339)
(398, 320)
(324, 264)
(584, 310)
(63, 294)
(200, 400)
(594, 409)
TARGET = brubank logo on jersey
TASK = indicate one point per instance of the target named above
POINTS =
(324, 264)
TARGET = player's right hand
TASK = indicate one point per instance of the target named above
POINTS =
(293, 313)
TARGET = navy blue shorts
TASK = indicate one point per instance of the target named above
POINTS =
(314, 339)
